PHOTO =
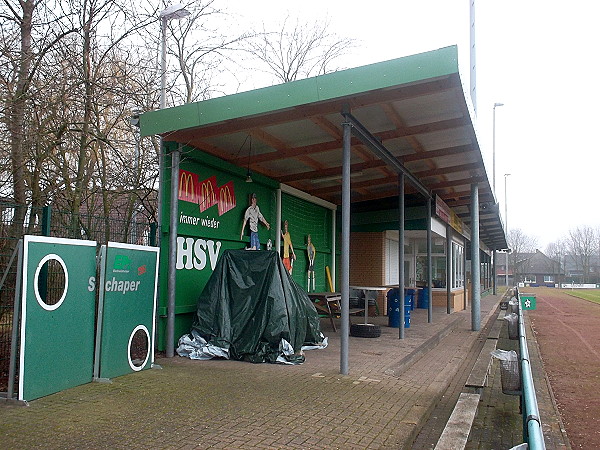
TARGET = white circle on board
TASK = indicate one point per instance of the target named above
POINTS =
(38, 297)
(131, 364)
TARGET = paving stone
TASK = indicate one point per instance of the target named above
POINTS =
(396, 389)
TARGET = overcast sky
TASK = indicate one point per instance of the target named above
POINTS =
(538, 58)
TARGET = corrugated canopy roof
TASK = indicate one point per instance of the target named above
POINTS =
(415, 106)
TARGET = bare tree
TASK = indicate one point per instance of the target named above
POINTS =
(68, 104)
(203, 44)
(557, 252)
(25, 43)
(520, 244)
(298, 50)
(73, 71)
(583, 244)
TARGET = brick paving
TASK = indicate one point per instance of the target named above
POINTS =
(395, 396)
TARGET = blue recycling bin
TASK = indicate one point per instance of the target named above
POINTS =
(407, 308)
(411, 293)
(393, 307)
(423, 300)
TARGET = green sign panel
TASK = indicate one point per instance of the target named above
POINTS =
(58, 315)
(127, 306)
(527, 301)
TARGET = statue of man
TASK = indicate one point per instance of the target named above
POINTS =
(253, 216)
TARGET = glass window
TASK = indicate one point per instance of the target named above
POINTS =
(438, 246)
(530, 279)
(458, 272)
(548, 278)
(438, 270)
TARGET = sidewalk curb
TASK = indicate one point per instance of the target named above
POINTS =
(409, 429)
(403, 364)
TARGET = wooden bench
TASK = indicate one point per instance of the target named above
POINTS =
(329, 305)
(478, 376)
(456, 432)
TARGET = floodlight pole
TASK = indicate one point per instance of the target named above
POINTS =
(494, 146)
(494, 177)
(506, 175)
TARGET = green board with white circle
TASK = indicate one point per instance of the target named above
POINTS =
(58, 315)
(129, 306)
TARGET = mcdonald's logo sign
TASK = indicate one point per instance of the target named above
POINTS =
(206, 193)
(187, 188)
(226, 198)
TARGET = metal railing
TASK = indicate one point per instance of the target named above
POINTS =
(532, 423)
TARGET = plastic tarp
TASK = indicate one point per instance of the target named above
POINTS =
(252, 310)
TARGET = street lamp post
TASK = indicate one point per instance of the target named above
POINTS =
(494, 177)
(494, 146)
(506, 175)
(173, 12)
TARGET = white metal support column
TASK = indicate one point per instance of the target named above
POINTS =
(345, 268)
(172, 270)
(401, 280)
(278, 224)
(448, 268)
(429, 265)
(475, 266)
(494, 276)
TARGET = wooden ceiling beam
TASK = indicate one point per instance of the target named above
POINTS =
(327, 126)
(358, 185)
(315, 174)
(454, 183)
(465, 199)
(448, 151)
(287, 152)
(447, 170)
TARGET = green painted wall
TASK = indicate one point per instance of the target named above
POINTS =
(204, 231)
(306, 218)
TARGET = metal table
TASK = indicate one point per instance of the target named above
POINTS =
(369, 288)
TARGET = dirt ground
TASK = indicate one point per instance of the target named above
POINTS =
(568, 333)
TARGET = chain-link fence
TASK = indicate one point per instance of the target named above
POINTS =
(16, 221)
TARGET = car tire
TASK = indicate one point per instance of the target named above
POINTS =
(365, 330)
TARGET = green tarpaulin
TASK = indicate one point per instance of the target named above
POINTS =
(252, 310)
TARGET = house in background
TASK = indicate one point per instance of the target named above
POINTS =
(501, 270)
(575, 272)
(536, 269)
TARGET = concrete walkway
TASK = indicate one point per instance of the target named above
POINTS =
(399, 394)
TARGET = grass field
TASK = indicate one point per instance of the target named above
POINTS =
(592, 295)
